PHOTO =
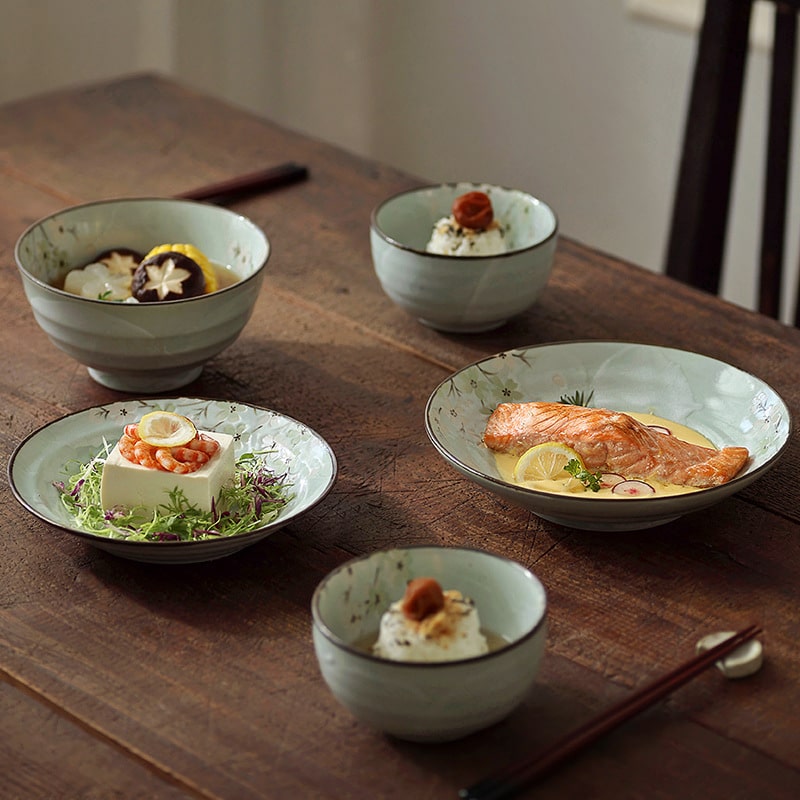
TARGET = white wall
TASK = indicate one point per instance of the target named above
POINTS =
(46, 44)
(579, 101)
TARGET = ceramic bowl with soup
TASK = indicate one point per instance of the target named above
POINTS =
(142, 347)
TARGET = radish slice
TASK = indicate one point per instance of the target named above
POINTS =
(609, 479)
(660, 429)
(633, 489)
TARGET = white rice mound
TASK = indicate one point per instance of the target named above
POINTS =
(451, 239)
(450, 634)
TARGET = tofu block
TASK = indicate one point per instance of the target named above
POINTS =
(127, 484)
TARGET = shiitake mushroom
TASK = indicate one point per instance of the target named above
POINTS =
(167, 276)
(119, 259)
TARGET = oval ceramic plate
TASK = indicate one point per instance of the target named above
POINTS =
(299, 452)
(725, 404)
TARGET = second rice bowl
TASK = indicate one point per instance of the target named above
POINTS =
(462, 294)
(429, 701)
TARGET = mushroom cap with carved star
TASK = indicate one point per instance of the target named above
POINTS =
(167, 276)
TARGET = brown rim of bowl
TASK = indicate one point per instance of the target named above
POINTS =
(325, 631)
(477, 259)
(60, 292)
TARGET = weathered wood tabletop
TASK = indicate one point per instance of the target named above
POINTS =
(131, 680)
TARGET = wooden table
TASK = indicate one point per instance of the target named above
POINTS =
(129, 680)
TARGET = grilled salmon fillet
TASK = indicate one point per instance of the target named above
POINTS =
(610, 441)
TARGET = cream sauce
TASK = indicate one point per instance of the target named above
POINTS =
(506, 463)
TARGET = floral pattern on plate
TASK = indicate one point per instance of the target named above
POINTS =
(298, 451)
(725, 404)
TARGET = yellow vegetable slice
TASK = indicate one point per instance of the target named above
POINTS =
(166, 429)
(199, 258)
(545, 462)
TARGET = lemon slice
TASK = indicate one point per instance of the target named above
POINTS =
(545, 462)
(190, 251)
(165, 429)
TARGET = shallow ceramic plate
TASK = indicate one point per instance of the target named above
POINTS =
(302, 454)
(725, 404)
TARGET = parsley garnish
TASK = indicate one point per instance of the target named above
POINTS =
(591, 480)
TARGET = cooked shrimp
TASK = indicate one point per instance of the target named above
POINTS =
(136, 451)
(204, 444)
(180, 460)
(146, 455)
(610, 441)
(189, 455)
(126, 447)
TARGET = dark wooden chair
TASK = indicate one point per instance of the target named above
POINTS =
(702, 199)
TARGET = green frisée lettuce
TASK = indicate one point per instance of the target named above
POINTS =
(254, 499)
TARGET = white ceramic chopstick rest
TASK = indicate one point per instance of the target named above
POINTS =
(743, 661)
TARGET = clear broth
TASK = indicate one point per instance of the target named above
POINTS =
(226, 276)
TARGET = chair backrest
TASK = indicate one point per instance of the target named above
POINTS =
(700, 213)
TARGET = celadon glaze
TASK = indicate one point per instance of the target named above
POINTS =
(429, 701)
(725, 404)
(462, 294)
(141, 347)
(292, 449)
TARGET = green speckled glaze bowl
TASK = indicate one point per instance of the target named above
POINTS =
(461, 294)
(141, 347)
(429, 702)
(725, 404)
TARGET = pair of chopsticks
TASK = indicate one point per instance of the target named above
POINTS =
(264, 180)
(510, 780)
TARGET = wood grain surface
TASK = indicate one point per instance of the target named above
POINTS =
(133, 680)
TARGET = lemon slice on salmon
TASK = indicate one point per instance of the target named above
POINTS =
(546, 462)
(166, 429)
(199, 258)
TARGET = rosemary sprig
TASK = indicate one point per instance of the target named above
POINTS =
(577, 399)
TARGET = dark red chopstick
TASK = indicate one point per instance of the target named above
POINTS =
(510, 780)
(252, 183)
